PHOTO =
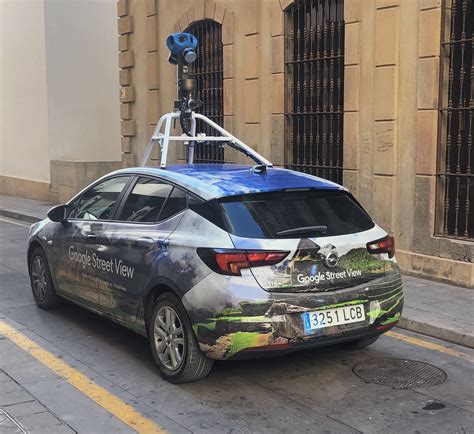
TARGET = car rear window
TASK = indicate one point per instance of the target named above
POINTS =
(267, 215)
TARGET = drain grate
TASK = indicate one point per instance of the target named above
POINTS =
(400, 373)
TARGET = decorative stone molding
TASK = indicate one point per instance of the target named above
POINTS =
(127, 91)
(122, 8)
(125, 25)
(284, 4)
(352, 61)
(209, 10)
(153, 94)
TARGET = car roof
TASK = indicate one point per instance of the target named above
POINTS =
(212, 181)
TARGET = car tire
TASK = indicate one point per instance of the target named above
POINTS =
(360, 343)
(173, 343)
(42, 285)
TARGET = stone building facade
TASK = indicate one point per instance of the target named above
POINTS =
(395, 79)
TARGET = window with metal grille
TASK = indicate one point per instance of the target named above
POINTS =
(455, 179)
(314, 75)
(208, 71)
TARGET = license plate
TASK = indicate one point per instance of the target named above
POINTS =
(332, 317)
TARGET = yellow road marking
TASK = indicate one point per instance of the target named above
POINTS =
(430, 346)
(114, 405)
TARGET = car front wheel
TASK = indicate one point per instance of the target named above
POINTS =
(173, 344)
(41, 283)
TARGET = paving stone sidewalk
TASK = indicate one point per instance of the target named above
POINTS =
(21, 412)
(34, 399)
(435, 309)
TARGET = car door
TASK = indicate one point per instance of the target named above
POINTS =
(149, 213)
(80, 263)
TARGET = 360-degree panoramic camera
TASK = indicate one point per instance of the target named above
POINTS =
(181, 44)
(182, 48)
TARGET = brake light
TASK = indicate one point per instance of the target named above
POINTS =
(384, 245)
(230, 262)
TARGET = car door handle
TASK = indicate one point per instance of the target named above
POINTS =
(91, 237)
(143, 243)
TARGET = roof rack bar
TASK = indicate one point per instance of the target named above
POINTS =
(164, 138)
(197, 138)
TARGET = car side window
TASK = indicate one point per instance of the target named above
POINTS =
(98, 202)
(72, 207)
(176, 202)
(144, 202)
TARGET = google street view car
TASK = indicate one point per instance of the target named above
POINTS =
(218, 261)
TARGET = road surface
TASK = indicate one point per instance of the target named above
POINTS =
(68, 370)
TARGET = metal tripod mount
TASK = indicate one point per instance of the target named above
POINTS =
(182, 46)
(186, 101)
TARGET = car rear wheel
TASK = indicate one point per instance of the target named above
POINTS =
(41, 283)
(173, 344)
(360, 343)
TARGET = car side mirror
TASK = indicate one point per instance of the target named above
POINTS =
(58, 213)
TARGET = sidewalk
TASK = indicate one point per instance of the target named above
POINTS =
(46, 390)
(431, 308)
(28, 210)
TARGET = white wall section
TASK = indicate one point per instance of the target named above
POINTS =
(59, 89)
(83, 86)
(24, 146)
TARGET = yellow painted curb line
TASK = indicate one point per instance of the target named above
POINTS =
(430, 346)
(114, 405)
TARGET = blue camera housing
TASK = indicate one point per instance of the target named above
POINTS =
(181, 44)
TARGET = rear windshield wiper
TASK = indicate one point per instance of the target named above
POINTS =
(303, 230)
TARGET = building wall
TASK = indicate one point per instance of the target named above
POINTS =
(392, 58)
(148, 80)
(82, 64)
(23, 95)
(60, 94)
(391, 129)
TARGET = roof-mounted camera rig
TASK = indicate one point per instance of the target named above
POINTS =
(182, 48)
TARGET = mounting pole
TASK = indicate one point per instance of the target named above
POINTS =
(182, 48)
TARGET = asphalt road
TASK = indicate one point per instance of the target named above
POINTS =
(308, 391)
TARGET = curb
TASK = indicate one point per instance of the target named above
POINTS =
(433, 331)
(19, 216)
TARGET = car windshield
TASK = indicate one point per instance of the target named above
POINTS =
(294, 214)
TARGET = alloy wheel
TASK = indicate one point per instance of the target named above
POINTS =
(169, 338)
(38, 274)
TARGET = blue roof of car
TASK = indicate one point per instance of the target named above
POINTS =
(212, 181)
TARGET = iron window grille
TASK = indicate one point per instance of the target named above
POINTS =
(208, 71)
(455, 177)
(314, 90)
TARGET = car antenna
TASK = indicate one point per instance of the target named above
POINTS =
(259, 168)
(182, 47)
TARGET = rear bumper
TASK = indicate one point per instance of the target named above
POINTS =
(233, 318)
(321, 341)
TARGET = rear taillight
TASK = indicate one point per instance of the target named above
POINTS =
(230, 262)
(384, 245)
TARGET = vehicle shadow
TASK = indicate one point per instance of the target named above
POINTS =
(98, 335)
